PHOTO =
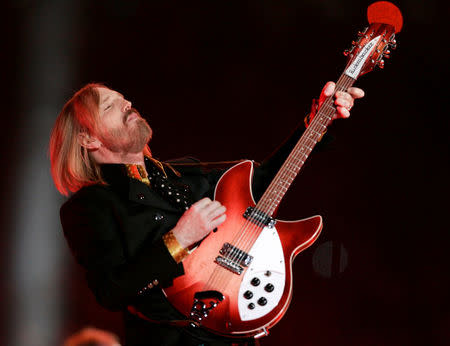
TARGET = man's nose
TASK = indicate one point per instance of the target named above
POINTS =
(126, 106)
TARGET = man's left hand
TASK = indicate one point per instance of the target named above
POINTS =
(343, 100)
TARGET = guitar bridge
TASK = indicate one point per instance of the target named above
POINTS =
(204, 302)
(233, 259)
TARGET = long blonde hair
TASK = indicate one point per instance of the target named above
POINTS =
(72, 166)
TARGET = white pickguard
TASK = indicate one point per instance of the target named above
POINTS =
(269, 268)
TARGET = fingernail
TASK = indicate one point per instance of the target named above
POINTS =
(328, 91)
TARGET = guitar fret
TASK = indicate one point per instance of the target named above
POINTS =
(299, 154)
(318, 126)
(302, 154)
(324, 105)
(297, 161)
(323, 120)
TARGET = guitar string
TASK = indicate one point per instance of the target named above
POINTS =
(290, 170)
(292, 162)
(291, 167)
(213, 281)
(251, 230)
(219, 281)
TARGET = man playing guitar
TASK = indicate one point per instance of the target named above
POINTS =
(131, 219)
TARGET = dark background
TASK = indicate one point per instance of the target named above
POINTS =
(224, 80)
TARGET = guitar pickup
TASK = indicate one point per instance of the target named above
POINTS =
(259, 218)
(240, 257)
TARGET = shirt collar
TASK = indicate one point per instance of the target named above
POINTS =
(115, 173)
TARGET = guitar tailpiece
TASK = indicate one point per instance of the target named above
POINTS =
(199, 309)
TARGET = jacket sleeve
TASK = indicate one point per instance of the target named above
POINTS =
(91, 227)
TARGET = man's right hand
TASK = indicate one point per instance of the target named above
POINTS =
(198, 221)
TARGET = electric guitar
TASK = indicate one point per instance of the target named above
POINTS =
(238, 281)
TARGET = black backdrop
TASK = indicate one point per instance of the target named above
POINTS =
(229, 80)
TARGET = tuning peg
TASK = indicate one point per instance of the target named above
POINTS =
(363, 33)
(349, 51)
(387, 54)
(393, 43)
(381, 64)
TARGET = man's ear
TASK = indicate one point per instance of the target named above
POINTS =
(88, 141)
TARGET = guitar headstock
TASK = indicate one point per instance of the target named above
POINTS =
(376, 41)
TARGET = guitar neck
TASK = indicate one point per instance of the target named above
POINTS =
(366, 53)
(293, 164)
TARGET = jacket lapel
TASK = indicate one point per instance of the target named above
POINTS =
(116, 177)
(141, 193)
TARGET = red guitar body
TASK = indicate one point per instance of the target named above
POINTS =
(202, 273)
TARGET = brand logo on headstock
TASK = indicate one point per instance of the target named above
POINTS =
(355, 67)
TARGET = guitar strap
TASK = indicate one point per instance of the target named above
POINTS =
(208, 165)
(176, 323)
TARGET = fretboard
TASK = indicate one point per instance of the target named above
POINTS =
(293, 164)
